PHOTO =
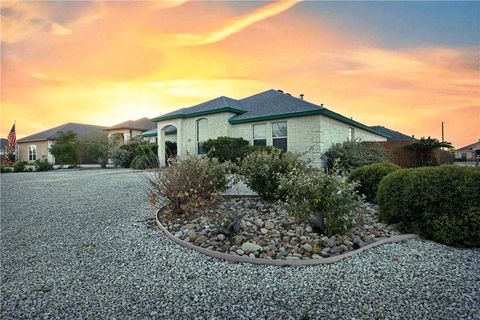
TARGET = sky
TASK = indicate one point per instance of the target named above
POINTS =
(405, 65)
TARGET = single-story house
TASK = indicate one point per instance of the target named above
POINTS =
(35, 146)
(270, 118)
(123, 132)
(468, 153)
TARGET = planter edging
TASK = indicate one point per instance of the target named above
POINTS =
(279, 262)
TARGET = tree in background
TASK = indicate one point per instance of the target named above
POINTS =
(423, 150)
(95, 146)
(65, 150)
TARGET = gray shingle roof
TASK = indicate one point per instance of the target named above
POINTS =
(153, 132)
(220, 103)
(142, 124)
(271, 103)
(52, 134)
(393, 135)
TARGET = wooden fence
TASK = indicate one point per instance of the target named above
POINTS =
(406, 158)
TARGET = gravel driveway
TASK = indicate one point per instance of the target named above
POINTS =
(79, 245)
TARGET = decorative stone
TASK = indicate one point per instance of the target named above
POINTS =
(251, 247)
(200, 239)
(269, 225)
(238, 240)
(336, 250)
(189, 226)
(259, 222)
(316, 256)
(307, 247)
(308, 229)
(221, 237)
(240, 252)
(264, 231)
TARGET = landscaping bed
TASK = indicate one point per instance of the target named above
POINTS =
(267, 231)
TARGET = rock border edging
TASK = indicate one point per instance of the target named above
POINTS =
(278, 262)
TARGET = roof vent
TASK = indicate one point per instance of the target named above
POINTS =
(281, 91)
(288, 94)
(301, 96)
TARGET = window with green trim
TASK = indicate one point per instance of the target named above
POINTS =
(202, 134)
(260, 134)
(279, 135)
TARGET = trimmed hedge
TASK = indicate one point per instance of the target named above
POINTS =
(226, 148)
(349, 155)
(369, 177)
(439, 203)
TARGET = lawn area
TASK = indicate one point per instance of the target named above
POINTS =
(83, 244)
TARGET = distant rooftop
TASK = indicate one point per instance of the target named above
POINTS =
(142, 124)
(393, 135)
(52, 134)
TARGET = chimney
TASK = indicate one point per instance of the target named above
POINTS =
(301, 96)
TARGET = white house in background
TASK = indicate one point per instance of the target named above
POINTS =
(123, 132)
(270, 118)
(36, 146)
(468, 153)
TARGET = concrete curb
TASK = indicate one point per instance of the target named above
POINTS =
(295, 263)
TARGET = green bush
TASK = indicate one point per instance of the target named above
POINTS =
(43, 165)
(124, 155)
(19, 166)
(4, 169)
(370, 175)
(142, 162)
(120, 157)
(354, 154)
(226, 148)
(328, 201)
(439, 203)
(262, 169)
(187, 184)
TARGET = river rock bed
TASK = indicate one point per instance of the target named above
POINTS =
(268, 231)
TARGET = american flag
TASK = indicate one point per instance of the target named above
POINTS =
(12, 138)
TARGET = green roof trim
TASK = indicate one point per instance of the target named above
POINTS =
(325, 112)
(197, 114)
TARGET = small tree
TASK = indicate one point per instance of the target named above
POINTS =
(65, 149)
(96, 146)
(423, 150)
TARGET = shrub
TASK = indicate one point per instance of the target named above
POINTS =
(439, 203)
(354, 154)
(370, 175)
(4, 169)
(261, 170)
(43, 165)
(188, 183)
(142, 162)
(328, 201)
(19, 166)
(226, 148)
(120, 157)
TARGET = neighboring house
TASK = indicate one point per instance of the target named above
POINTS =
(35, 146)
(123, 132)
(393, 135)
(270, 118)
(468, 153)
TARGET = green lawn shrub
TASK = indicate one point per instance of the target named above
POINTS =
(19, 166)
(261, 170)
(354, 154)
(328, 201)
(440, 203)
(226, 148)
(370, 175)
(43, 165)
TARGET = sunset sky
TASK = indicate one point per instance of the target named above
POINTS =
(404, 65)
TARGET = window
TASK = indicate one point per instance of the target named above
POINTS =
(279, 135)
(351, 134)
(260, 134)
(464, 156)
(32, 153)
(202, 134)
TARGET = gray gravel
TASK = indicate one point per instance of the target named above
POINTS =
(74, 246)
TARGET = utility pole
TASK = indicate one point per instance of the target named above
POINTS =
(443, 131)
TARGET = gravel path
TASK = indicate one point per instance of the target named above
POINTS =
(74, 246)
